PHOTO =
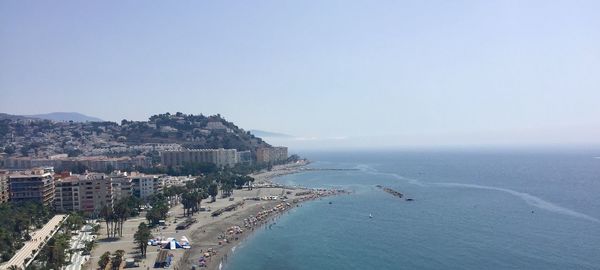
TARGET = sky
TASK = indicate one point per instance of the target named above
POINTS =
(329, 73)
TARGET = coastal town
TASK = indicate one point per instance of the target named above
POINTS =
(172, 192)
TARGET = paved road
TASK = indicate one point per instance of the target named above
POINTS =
(78, 242)
(37, 242)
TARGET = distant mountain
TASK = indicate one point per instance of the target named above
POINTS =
(65, 117)
(14, 117)
(262, 133)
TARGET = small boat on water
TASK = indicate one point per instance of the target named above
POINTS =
(370, 216)
(409, 199)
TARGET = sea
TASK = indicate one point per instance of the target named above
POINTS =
(471, 209)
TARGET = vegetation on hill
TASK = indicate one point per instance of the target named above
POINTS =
(31, 137)
(194, 131)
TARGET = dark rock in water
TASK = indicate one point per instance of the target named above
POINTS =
(330, 202)
(393, 192)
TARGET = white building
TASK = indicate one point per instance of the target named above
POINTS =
(145, 185)
(220, 157)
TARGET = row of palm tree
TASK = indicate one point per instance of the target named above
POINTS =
(115, 216)
(114, 261)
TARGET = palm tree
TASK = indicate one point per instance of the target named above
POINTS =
(122, 211)
(213, 190)
(249, 180)
(104, 260)
(14, 267)
(117, 259)
(142, 236)
(200, 195)
(106, 213)
(186, 199)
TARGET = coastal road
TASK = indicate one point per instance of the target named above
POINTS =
(77, 259)
(37, 242)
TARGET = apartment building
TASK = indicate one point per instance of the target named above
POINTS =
(121, 185)
(244, 157)
(220, 157)
(145, 185)
(66, 195)
(93, 163)
(32, 185)
(85, 192)
(271, 154)
(96, 192)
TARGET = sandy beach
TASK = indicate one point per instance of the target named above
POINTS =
(215, 235)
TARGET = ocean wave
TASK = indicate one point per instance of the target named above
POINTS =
(528, 198)
(370, 170)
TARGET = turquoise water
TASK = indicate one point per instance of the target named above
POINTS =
(490, 210)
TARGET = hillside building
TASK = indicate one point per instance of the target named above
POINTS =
(271, 154)
(220, 157)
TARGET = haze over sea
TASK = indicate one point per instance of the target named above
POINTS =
(472, 210)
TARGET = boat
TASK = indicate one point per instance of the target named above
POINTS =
(409, 199)
(370, 216)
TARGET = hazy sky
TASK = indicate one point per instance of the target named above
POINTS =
(330, 72)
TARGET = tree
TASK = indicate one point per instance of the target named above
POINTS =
(159, 209)
(123, 209)
(117, 259)
(227, 184)
(16, 221)
(213, 191)
(199, 195)
(106, 212)
(187, 201)
(74, 221)
(88, 245)
(249, 180)
(240, 181)
(104, 260)
(14, 267)
(55, 251)
(141, 237)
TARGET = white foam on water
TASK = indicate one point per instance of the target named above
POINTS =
(528, 198)
(370, 170)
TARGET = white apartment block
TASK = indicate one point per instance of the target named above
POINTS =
(145, 185)
(220, 157)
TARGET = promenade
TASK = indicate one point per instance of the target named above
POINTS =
(38, 240)
(78, 243)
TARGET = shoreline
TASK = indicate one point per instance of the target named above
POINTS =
(222, 237)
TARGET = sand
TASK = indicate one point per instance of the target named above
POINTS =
(204, 234)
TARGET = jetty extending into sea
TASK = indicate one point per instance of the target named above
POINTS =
(393, 192)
